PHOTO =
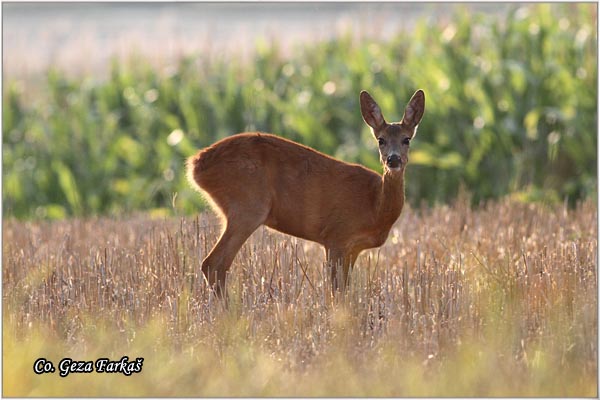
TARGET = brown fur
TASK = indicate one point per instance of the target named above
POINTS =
(255, 179)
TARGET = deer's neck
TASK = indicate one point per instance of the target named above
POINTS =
(391, 199)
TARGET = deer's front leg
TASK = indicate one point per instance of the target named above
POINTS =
(341, 262)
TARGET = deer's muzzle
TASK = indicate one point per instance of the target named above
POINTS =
(393, 161)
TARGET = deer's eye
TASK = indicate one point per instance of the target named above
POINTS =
(406, 141)
(381, 141)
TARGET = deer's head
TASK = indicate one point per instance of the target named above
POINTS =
(393, 138)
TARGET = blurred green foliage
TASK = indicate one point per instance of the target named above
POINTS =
(511, 108)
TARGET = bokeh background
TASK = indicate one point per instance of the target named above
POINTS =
(102, 103)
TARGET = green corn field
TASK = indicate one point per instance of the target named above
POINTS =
(511, 108)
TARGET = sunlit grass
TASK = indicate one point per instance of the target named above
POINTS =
(499, 301)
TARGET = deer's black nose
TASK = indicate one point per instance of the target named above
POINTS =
(393, 161)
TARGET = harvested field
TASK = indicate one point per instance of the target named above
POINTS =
(496, 301)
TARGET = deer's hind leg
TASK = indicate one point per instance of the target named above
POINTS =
(238, 228)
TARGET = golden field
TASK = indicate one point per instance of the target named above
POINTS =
(500, 300)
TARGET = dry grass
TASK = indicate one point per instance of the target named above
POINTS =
(500, 301)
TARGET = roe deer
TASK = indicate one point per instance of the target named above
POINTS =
(254, 179)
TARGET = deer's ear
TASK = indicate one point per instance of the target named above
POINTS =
(414, 110)
(370, 111)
